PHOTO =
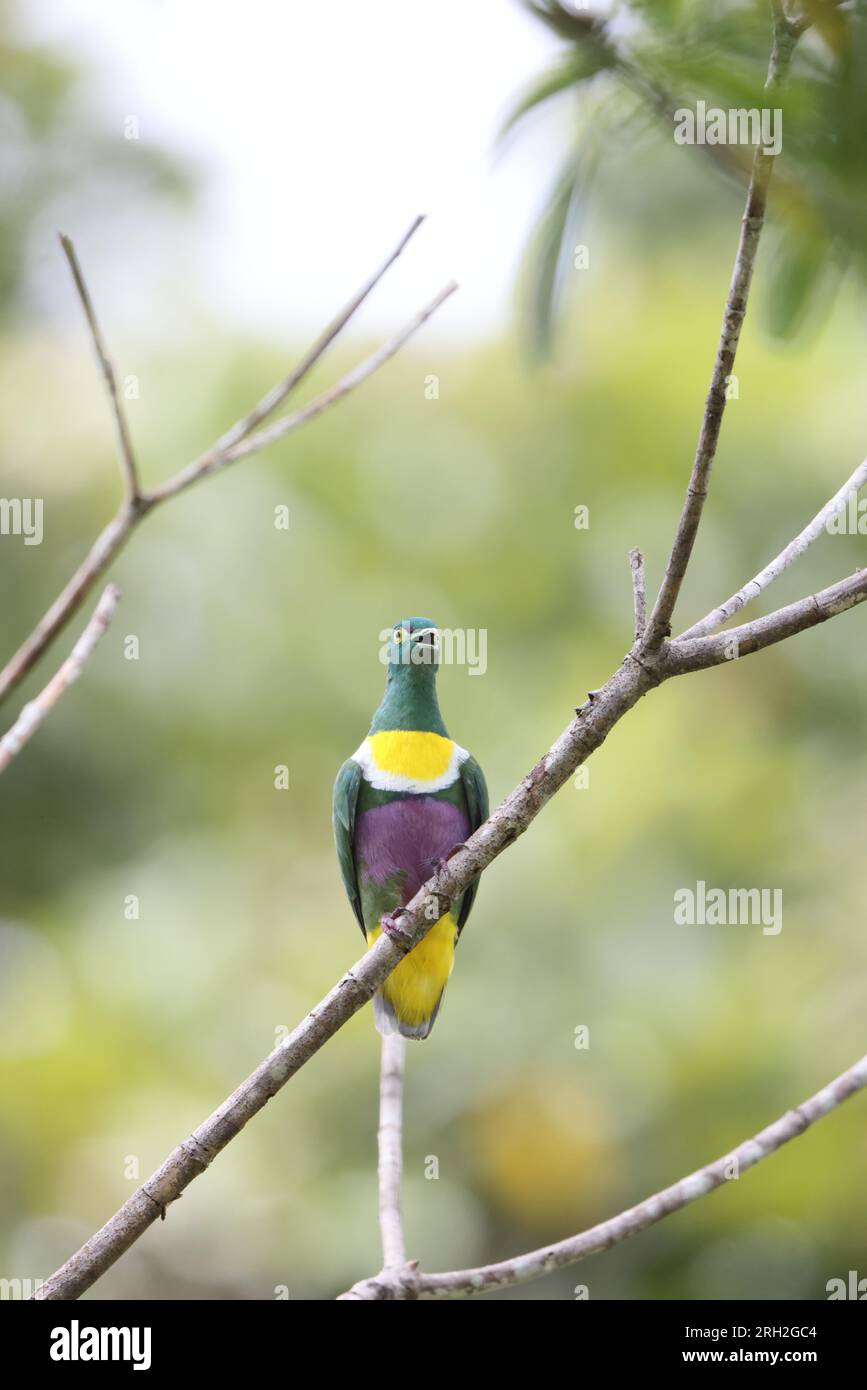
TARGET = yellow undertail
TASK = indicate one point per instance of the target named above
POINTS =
(412, 992)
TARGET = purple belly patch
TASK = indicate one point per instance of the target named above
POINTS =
(410, 836)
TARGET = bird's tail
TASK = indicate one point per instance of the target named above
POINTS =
(387, 1021)
(410, 998)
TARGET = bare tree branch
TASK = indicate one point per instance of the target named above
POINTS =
(585, 733)
(696, 653)
(395, 1279)
(135, 507)
(639, 592)
(639, 672)
(651, 661)
(35, 712)
(217, 459)
(535, 1263)
(127, 455)
(279, 393)
(781, 562)
(391, 1150)
(104, 549)
(659, 624)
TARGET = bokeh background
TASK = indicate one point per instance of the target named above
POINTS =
(278, 158)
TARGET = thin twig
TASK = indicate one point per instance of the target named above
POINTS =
(115, 535)
(279, 393)
(639, 592)
(781, 562)
(105, 548)
(217, 459)
(659, 624)
(533, 1264)
(391, 1150)
(33, 713)
(127, 455)
(697, 653)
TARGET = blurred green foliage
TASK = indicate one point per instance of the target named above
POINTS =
(258, 647)
(629, 67)
(60, 160)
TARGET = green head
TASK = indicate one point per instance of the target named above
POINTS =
(414, 647)
(410, 700)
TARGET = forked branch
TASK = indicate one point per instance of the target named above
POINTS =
(411, 1282)
(241, 440)
(787, 556)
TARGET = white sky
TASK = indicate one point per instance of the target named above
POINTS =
(326, 125)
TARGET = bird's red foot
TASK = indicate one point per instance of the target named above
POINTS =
(391, 925)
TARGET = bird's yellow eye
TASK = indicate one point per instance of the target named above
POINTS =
(399, 634)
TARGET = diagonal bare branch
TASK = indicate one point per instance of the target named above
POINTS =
(127, 455)
(697, 653)
(781, 562)
(136, 506)
(35, 712)
(105, 548)
(275, 397)
(411, 1283)
(659, 624)
(217, 459)
(535, 1263)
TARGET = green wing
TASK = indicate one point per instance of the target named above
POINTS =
(345, 803)
(476, 792)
